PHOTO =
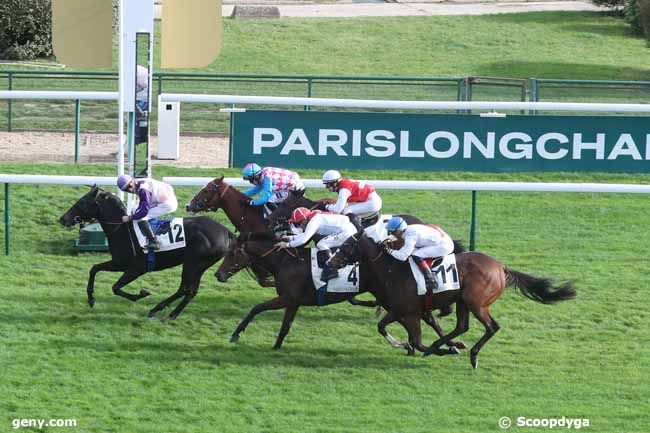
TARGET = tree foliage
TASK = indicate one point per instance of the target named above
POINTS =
(25, 29)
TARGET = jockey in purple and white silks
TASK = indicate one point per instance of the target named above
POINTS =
(156, 199)
(274, 184)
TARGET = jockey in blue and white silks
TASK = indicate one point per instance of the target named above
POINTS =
(156, 199)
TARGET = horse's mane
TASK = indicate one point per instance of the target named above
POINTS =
(113, 200)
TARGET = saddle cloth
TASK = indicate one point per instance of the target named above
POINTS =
(170, 234)
(445, 273)
(346, 282)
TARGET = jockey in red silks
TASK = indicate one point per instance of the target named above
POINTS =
(357, 197)
(156, 199)
(420, 242)
(334, 227)
(274, 184)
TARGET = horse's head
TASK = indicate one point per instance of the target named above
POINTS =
(85, 209)
(236, 260)
(96, 204)
(210, 197)
(281, 214)
(347, 254)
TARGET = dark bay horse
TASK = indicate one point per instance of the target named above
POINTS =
(482, 280)
(206, 240)
(292, 271)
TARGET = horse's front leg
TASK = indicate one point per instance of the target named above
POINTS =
(125, 279)
(289, 314)
(389, 318)
(109, 266)
(273, 304)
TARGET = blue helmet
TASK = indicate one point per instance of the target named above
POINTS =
(396, 224)
(251, 170)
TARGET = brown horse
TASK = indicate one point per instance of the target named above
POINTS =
(482, 280)
(292, 271)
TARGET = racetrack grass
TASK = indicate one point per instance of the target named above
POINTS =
(114, 370)
(563, 45)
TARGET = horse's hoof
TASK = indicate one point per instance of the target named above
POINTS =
(151, 313)
(91, 303)
(234, 338)
(454, 351)
(458, 345)
(474, 360)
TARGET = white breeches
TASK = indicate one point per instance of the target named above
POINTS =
(161, 209)
(333, 241)
(363, 208)
(446, 246)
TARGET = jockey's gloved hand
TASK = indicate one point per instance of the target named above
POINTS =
(247, 202)
(282, 245)
(126, 218)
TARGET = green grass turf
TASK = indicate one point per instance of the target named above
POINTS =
(114, 370)
(564, 45)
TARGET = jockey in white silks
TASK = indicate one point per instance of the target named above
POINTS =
(273, 183)
(420, 242)
(334, 227)
(357, 197)
(156, 199)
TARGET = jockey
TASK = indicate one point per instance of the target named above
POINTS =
(334, 227)
(274, 184)
(156, 199)
(420, 242)
(357, 197)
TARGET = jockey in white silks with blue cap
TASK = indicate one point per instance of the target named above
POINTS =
(420, 242)
(156, 199)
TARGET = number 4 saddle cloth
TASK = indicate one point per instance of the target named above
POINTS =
(444, 271)
(170, 234)
(346, 282)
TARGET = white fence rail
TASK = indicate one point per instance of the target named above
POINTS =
(405, 105)
(27, 179)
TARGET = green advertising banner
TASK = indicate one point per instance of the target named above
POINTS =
(437, 142)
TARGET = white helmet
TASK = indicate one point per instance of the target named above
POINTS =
(331, 176)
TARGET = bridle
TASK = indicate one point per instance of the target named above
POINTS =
(220, 193)
(78, 219)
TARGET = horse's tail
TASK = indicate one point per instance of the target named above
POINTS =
(539, 289)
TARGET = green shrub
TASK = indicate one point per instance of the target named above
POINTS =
(644, 17)
(631, 14)
(25, 29)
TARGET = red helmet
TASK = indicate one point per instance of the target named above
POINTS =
(299, 214)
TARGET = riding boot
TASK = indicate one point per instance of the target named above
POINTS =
(145, 228)
(429, 280)
(328, 271)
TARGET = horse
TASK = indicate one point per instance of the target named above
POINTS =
(292, 271)
(206, 240)
(218, 194)
(482, 280)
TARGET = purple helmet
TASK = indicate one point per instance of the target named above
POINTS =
(123, 180)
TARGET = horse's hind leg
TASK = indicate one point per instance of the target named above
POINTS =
(109, 266)
(462, 325)
(125, 279)
(491, 328)
(190, 281)
(273, 304)
(289, 314)
(430, 320)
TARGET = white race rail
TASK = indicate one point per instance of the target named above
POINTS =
(34, 94)
(406, 105)
(8, 179)
(447, 186)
